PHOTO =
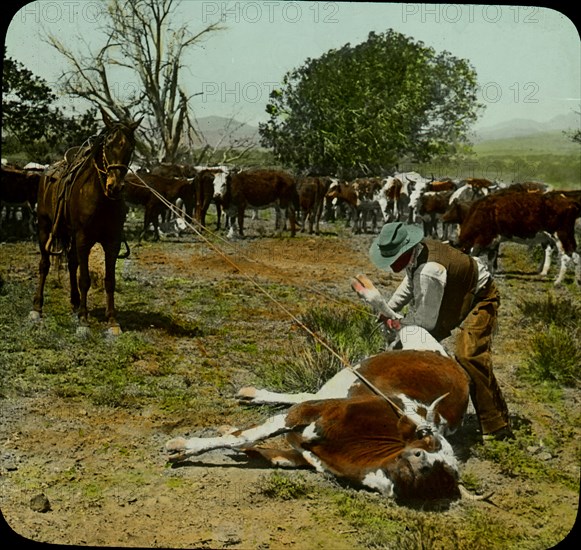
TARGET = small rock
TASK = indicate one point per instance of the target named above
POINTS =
(544, 456)
(40, 503)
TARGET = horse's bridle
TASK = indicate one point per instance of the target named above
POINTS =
(102, 172)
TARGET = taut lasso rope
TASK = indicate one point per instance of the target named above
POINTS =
(222, 254)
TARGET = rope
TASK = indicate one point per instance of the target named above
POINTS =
(222, 254)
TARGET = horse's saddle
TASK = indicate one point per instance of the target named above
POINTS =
(69, 165)
(60, 177)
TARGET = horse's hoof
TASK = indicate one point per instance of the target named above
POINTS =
(35, 317)
(82, 331)
(113, 331)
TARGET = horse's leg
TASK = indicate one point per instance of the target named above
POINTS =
(73, 265)
(38, 300)
(43, 269)
(83, 251)
(111, 253)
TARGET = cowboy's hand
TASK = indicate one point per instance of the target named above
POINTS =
(365, 289)
(392, 324)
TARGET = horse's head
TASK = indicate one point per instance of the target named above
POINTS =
(116, 150)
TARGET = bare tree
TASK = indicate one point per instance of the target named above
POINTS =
(145, 49)
(575, 135)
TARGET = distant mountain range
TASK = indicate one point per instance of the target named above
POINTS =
(226, 132)
(520, 127)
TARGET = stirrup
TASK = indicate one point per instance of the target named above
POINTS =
(53, 246)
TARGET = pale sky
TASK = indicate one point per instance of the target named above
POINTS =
(528, 58)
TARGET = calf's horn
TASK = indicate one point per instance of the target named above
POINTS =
(465, 493)
(431, 412)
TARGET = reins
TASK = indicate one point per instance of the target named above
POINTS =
(313, 334)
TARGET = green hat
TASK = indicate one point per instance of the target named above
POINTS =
(394, 240)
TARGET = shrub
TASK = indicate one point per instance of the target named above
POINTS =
(555, 356)
(352, 334)
(550, 309)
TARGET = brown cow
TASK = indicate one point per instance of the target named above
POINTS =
(137, 191)
(431, 207)
(341, 194)
(18, 196)
(458, 210)
(396, 446)
(523, 215)
(259, 189)
(311, 191)
(446, 184)
(203, 187)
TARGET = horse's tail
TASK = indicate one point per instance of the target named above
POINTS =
(127, 250)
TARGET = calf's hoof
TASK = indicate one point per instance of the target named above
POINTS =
(175, 445)
(246, 394)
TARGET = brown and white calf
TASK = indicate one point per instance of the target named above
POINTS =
(391, 438)
(397, 447)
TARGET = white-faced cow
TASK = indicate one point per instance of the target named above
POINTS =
(393, 199)
(381, 424)
(471, 189)
(523, 215)
(342, 195)
(219, 173)
(259, 189)
(415, 186)
(458, 210)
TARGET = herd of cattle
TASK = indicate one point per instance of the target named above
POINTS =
(477, 214)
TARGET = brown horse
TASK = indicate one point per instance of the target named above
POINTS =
(79, 205)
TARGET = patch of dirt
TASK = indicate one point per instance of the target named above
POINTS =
(104, 470)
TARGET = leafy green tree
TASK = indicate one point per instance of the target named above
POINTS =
(31, 122)
(362, 109)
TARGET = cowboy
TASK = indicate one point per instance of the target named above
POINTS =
(447, 289)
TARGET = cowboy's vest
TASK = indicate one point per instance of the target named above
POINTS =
(461, 280)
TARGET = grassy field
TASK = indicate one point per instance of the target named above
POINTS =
(548, 157)
(84, 420)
